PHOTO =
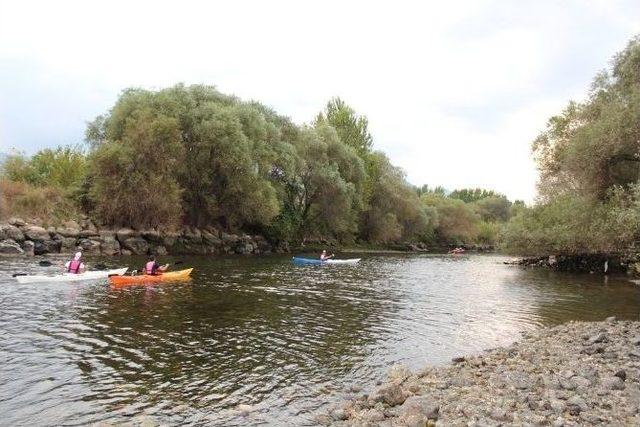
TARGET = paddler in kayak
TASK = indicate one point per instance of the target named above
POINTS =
(324, 256)
(152, 268)
(75, 266)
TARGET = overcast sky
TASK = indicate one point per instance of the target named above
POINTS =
(455, 91)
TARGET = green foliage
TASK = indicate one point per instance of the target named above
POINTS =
(393, 208)
(589, 162)
(133, 181)
(469, 195)
(493, 208)
(63, 167)
(488, 233)
(352, 129)
(456, 220)
(573, 224)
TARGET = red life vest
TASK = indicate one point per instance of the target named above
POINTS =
(148, 268)
(74, 266)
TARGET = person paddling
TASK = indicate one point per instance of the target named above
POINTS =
(75, 266)
(152, 268)
(324, 256)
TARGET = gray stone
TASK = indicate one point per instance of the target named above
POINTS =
(42, 247)
(18, 222)
(69, 245)
(339, 414)
(557, 405)
(10, 247)
(126, 233)
(159, 250)
(372, 415)
(36, 233)
(576, 404)
(398, 372)
(598, 338)
(28, 247)
(8, 231)
(90, 246)
(152, 236)
(500, 414)
(611, 319)
(211, 239)
(417, 410)
(137, 245)
(391, 394)
(622, 374)
(613, 383)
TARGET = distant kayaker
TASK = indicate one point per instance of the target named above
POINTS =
(75, 266)
(324, 256)
(152, 268)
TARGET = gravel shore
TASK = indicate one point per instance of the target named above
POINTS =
(578, 373)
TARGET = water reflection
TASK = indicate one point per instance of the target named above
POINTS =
(261, 332)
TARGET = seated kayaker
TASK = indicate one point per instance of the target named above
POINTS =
(324, 256)
(75, 266)
(152, 268)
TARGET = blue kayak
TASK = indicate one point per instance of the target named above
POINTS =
(317, 261)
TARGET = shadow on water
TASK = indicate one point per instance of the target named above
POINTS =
(261, 332)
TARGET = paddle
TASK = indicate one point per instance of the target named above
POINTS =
(45, 263)
(19, 274)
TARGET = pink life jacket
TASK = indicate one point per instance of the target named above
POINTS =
(74, 266)
(148, 268)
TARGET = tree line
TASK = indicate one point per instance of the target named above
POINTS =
(190, 155)
(589, 163)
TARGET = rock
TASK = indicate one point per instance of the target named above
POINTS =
(36, 233)
(611, 319)
(601, 337)
(159, 250)
(69, 245)
(17, 222)
(557, 405)
(391, 394)
(576, 404)
(193, 234)
(211, 239)
(339, 414)
(10, 247)
(580, 382)
(622, 374)
(8, 231)
(136, 245)
(125, 233)
(110, 244)
(613, 383)
(28, 247)
(42, 247)
(152, 236)
(417, 410)
(68, 232)
(372, 415)
(458, 359)
(90, 246)
(398, 372)
(500, 414)
(71, 224)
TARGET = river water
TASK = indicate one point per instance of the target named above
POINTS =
(259, 331)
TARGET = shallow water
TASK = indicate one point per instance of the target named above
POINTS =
(259, 331)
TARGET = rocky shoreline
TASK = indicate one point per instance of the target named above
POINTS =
(18, 237)
(578, 373)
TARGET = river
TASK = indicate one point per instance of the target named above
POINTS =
(258, 331)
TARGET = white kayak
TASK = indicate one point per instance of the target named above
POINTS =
(70, 277)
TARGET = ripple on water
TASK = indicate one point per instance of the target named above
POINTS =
(261, 332)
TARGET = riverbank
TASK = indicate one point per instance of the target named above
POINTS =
(17, 237)
(578, 373)
(628, 262)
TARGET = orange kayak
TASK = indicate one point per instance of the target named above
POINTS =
(170, 276)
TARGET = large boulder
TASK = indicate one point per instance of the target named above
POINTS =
(137, 245)
(110, 245)
(170, 238)
(152, 236)
(36, 233)
(392, 394)
(90, 246)
(125, 233)
(211, 239)
(193, 234)
(68, 245)
(10, 247)
(8, 231)
(159, 250)
(42, 247)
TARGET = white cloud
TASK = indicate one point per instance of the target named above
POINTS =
(454, 91)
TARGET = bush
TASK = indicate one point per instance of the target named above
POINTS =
(49, 203)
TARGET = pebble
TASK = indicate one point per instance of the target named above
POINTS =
(578, 373)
